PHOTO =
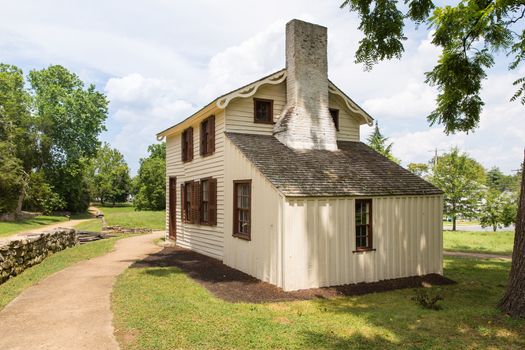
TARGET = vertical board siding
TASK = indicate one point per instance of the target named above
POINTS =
(319, 240)
(261, 256)
(239, 113)
(207, 240)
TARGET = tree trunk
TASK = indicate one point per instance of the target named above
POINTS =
(513, 302)
(18, 212)
(494, 228)
(454, 223)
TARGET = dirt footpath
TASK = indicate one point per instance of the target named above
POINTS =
(71, 309)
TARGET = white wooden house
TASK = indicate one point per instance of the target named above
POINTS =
(272, 179)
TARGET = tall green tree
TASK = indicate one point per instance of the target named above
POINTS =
(461, 179)
(49, 127)
(150, 182)
(109, 176)
(16, 124)
(69, 118)
(380, 144)
(468, 33)
(497, 209)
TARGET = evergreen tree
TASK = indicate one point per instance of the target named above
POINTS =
(378, 142)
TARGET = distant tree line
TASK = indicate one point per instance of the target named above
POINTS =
(470, 191)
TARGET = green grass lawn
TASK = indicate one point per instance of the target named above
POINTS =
(126, 216)
(10, 228)
(56, 262)
(162, 308)
(500, 242)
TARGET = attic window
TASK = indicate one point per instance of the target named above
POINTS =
(363, 225)
(262, 111)
(335, 117)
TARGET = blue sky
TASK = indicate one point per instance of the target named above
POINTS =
(159, 61)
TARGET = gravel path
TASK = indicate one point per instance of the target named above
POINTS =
(71, 309)
(478, 255)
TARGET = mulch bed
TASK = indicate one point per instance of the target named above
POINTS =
(235, 286)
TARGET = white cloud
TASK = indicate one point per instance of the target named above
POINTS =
(158, 61)
(238, 65)
(143, 107)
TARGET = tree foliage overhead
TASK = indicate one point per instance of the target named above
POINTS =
(380, 144)
(150, 182)
(468, 34)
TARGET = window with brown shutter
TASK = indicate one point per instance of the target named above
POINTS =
(335, 117)
(242, 193)
(208, 202)
(262, 111)
(195, 203)
(187, 145)
(186, 200)
(207, 136)
(363, 224)
(212, 204)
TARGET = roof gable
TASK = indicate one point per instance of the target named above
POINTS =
(249, 90)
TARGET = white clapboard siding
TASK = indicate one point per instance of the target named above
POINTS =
(261, 256)
(239, 113)
(204, 239)
(348, 121)
(319, 241)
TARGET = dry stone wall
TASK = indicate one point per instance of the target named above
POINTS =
(21, 252)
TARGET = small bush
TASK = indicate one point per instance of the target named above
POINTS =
(424, 299)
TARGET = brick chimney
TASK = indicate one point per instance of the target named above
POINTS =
(305, 122)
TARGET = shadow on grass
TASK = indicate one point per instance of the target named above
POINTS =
(330, 340)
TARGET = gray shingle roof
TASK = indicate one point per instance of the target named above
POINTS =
(354, 170)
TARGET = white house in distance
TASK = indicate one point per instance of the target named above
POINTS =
(272, 180)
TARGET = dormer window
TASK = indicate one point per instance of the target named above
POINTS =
(263, 111)
(335, 117)
(187, 145)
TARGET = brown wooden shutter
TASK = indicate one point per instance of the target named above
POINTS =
(190, 135)
(212, 202)
(183, 150)
(202, 139)
(182, 203)
(211, 135)
(195, 202)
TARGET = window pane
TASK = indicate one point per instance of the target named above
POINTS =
(204, 185)
(262, 110)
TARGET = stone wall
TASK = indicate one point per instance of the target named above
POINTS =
(21, 252)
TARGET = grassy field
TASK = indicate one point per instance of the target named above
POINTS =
(500, 242)
(162, 308)
(126, 216)
(56, 262)
(10, 228)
